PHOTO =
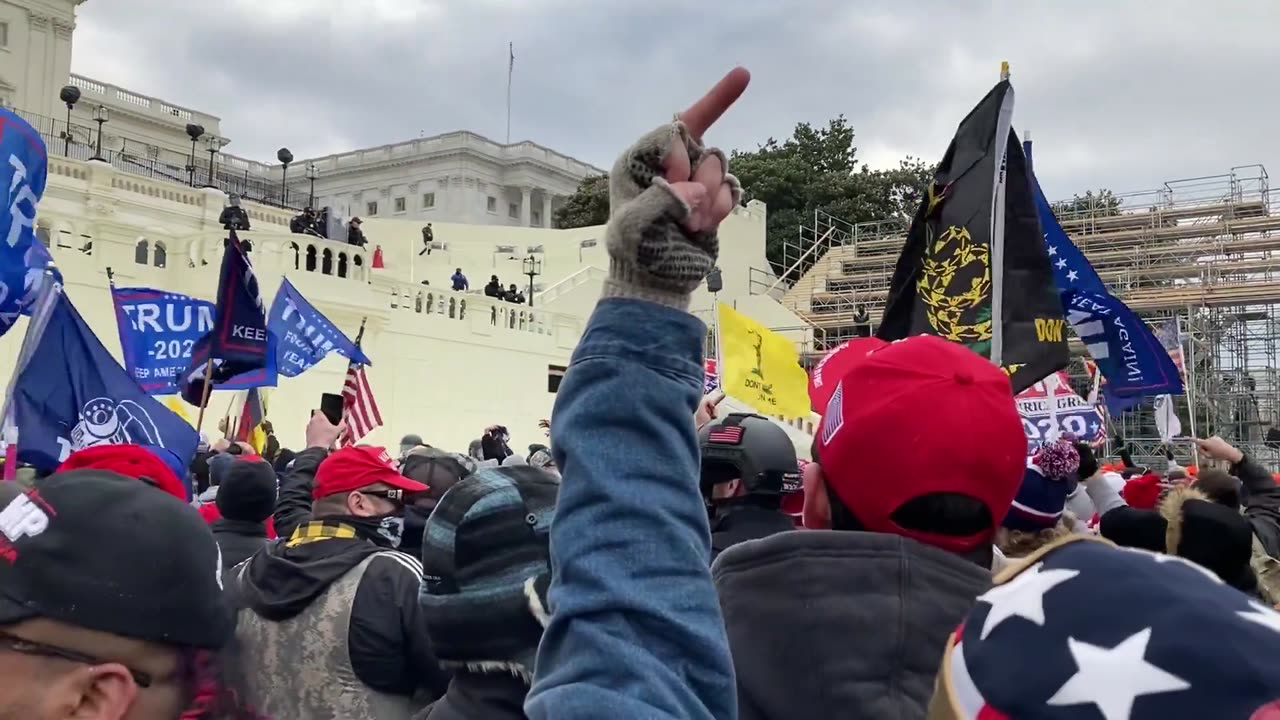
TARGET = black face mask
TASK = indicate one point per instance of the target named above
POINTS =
(385, 530)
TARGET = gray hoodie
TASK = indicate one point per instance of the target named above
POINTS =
(843, 625)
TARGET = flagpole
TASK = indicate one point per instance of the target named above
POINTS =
(511, 66)
(35, 328)
(715, 332)
(204, 395)
(1190, 366)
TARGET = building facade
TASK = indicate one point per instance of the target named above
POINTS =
(35, 52)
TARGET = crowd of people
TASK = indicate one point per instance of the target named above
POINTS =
(660, 558)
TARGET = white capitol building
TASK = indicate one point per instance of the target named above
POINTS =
(446, 364)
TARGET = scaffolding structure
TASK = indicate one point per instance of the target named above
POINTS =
(1204, 251)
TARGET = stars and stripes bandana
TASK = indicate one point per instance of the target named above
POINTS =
(1084, 630)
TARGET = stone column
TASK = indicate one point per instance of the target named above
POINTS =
(546, 209)
(526, 201)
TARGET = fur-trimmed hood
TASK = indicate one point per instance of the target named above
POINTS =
(1213, 536)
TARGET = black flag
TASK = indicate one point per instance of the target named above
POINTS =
(974, 268)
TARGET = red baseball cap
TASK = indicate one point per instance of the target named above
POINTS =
(132, 461)
(828, 372)
(919, 416)
(359, 466)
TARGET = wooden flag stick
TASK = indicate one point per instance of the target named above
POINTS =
(204, 396)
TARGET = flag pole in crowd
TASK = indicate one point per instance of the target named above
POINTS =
(359, 408)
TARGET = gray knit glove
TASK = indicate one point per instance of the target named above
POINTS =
(652, 256)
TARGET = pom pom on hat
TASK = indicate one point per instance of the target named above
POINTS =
(1058, 459)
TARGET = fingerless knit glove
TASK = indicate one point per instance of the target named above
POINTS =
(651, 255)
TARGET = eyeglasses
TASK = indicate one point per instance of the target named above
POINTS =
(24, 646)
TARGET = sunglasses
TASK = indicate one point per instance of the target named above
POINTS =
(395, 495)
(23, 646)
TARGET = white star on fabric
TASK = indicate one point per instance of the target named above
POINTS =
(1072, 275)
(1262, 616)
(1112, 678)
(1061, 264)
(1053, 250)
(1093, 427)
(1022, 597)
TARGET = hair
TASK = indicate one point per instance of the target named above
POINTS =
(1220, 487)
(330, 505)
(1020, 543)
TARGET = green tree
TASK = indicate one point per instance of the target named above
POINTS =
(1102, 203)
(587, 206)
(817, 169)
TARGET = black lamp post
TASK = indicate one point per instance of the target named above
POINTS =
(215, 144)
(311, 175)
(100, 116)
(195, 132)
(532, 268)
(69, 95)
(285, 157)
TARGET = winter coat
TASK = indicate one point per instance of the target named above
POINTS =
(829, 624)
(238, 540)
(480, 696)
(1262, 509)
(738, 524)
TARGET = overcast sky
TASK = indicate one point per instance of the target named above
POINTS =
(1120, 93)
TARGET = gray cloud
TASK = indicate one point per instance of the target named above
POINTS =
(1117, 94)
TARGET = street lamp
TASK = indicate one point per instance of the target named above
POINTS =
(195, 132)
(311, 175)
(215, 144)
(285, 157)
(69, 95)
(532, 268)
(101, 117)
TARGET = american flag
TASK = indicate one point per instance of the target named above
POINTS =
(710, 377)
(359, 409)
(1169, 336)
(726, 435)
(1094, 632)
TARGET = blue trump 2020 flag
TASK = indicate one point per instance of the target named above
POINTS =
(158, 332)
(304, 335)
(71, 394)
(23, 172)
(239, 341)
(1130, 357)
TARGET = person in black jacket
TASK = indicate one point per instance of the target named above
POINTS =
(355, 234)
(494, 288)
(748, 465)
(439, 471)
(233, 216)
(246, 498)
(330, 624)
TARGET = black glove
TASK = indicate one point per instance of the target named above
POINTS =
(1088, 461)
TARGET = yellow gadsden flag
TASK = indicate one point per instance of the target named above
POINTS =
(761, 367)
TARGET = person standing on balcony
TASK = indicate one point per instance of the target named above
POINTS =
(355, 236)
(494, 288)
(427, 237)
(233, 216)
(459, 281)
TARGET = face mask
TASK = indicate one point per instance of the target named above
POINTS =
(390, 527)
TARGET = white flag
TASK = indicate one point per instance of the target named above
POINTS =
(1167, 422)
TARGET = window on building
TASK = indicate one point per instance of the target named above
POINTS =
(492, 205)
(160, 256)
(513, 209)
(4, 35)
(371, 207)
(555, 373)
(399, 204)
(428, 200)
(140, 252)
(536, 217)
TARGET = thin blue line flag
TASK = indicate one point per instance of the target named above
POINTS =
(1130, 357)
(239, 342)
(304, 336)
(24, 165)
(71, 394)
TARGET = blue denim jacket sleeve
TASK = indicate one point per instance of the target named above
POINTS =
(636, 629)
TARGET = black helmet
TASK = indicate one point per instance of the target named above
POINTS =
(750, 448)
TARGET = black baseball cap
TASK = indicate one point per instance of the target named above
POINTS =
(102, 551)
